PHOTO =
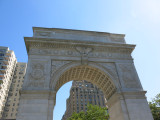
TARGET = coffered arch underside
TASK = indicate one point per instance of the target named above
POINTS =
(90, 74)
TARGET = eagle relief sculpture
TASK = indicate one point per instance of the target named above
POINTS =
(84, 51)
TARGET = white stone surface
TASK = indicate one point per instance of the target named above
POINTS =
(129, 106)
(57, 56)
(78, 35)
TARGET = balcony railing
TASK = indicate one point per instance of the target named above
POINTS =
(4, 61)
(2, 70)
(1, 81)
(0, 85)
(1, 76)
(4, 66)
(6, 57)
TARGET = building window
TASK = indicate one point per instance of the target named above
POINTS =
(20, 72)
(1, 54)
(22, 66)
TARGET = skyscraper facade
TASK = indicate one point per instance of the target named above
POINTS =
(7, 66)
(82, 93)
(12, 103)
(11, 79)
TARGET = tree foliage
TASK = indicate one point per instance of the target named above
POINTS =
(93, 112)
(155, 107)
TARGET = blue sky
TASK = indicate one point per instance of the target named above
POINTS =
(138, 19)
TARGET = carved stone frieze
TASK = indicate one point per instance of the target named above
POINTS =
(54, 52)
(110, 55)
(102, 47)
(84, 52)
(129, 76)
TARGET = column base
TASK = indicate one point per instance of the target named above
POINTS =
(36, 105)
(129, 106)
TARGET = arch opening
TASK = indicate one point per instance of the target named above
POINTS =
(90, 74)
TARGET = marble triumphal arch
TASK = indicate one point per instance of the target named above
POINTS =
(56, 56)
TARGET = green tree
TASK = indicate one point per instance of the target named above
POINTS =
(155, 107)
(93, 112)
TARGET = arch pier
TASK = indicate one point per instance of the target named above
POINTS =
(56, 56)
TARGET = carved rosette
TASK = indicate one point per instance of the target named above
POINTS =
(37, 75)
(37, 72)
(129, 76)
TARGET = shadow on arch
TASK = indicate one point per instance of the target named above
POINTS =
(91, 73)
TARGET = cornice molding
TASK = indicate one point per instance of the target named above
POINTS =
(56, 43)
